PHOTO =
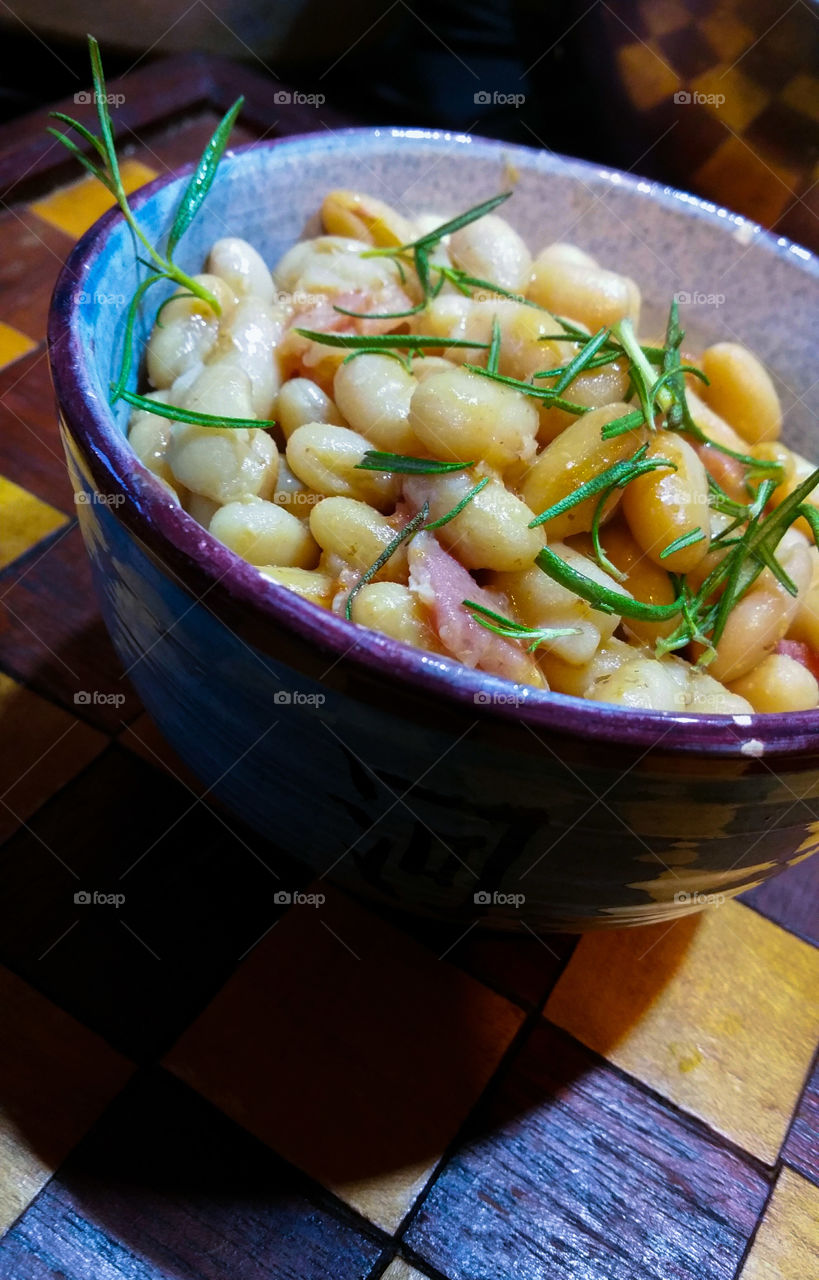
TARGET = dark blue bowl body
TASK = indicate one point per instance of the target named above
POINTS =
(432, 787)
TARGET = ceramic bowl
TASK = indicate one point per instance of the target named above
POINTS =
(423, 783)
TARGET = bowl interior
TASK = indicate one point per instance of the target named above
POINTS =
(745, 285)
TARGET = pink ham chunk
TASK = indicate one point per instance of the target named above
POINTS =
(442, 584)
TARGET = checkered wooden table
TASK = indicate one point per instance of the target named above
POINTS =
(201, 1082)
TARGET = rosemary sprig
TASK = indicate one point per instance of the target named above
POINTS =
(103, 164)
(493, 359)
(419, 522)
(603, 598)
(459, 506)
(616, 476)
(404, 464)
(107, 172)
(546, 394)
(580, 362)
(512, 630)
(414, 525)
(191, 415)
(431, 239)
(387, 341)
(689, 539)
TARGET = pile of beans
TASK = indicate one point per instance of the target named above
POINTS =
(291, 500)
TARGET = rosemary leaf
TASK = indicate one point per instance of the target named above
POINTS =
(416, 523)
(178, 414)
(458, 508)
(202, 178)
(404, 464)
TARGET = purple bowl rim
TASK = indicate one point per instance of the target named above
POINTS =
(176, 540)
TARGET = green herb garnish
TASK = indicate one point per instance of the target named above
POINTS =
(191, 416)
(414, 525)
(616, 476)
(404, 464)
(512, 630)
(104, 166)
(459, 506)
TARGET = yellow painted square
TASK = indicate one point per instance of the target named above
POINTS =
(56, 1077)
(717, 1012)
(787, 1241)
(736, 175)
(24, 521)
(73, 209)
(802, 94)
(13, 344)
(743, 98)
(726, 33)
(664, 16)
(647, 78)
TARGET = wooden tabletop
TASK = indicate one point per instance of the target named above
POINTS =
(202, 1082)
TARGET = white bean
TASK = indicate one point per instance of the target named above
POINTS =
(392, 608)
(307, 583)
(357, 534)
(326, 459)
(779, 683)
(374, 392)
(264, 533)
(242, 267)
(492, 531)
(301, 401)
(247, 341)
(492, 250)
(462, 416)
(223, 463)
(186, 332)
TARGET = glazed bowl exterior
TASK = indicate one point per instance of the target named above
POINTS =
(425, 784)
